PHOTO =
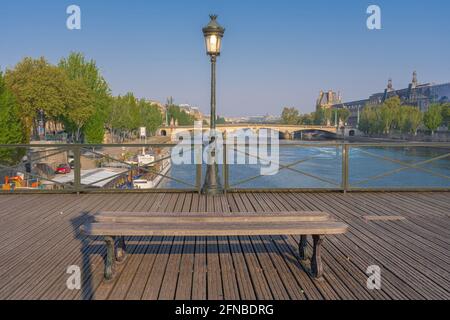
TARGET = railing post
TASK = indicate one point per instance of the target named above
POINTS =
(345, 168)
(198, 178)
(225, 166)
(198, 157)
(77, 170)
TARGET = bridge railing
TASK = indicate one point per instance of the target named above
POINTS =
(76, 168)
(347, 167)
(295, 166)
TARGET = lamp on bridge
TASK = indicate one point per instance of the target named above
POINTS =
(213, 34)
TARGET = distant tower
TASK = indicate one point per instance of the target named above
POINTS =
(389, 91)
(412, 92)
(414, 82)
(390, 87)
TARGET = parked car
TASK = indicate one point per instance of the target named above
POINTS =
(63, 169)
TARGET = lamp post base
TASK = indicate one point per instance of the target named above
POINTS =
(212, 184)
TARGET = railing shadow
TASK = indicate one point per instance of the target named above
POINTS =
(87, 288)
(189, 245)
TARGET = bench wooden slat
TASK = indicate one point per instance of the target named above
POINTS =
(153, 217)
(214, 229)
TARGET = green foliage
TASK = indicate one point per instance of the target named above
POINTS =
(319, 116)
(446, 115)
(94, 130)
(75, 94)
(290, 116)
(128, 115)
(409, 119)
(387, 113)
(11, 127)
(150, 116)
(183, 118)
(306, 119)
(344, 114)
(368, 121)
(327, 115)
(37, 85)
(433, 117)
(77, 67)
(80, 108)
(390, 115)
(220, 120)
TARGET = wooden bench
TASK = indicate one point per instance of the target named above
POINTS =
(116, 225)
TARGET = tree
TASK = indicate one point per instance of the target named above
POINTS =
(129, 114)
(79, 108)
(290, 116)
(78, 68)
(150, 116)
(220, 120)
(409, 119)
(367, 119)
(11, 126)
(306, 119)
(183, 118)
(371, 120)
(446, 114)
(433, 117)
(327, 114)
(38, 86)
(319, 116)
(344, 114)
(94, 130)
(387, 113)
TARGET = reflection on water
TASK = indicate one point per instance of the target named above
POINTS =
(316, 166)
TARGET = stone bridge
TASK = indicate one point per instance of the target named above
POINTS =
(288, 132)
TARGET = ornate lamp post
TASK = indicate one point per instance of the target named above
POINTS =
(213, 34)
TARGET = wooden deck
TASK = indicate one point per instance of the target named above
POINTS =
(406, 234)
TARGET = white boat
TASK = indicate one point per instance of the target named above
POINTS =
(146, 159)
(150, 184)
(142, 184)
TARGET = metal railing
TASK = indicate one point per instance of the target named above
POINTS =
(355, 167)
(327, 166)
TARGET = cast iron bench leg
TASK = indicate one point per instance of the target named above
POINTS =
(109, 263)
(121, 250)
(316, 260)
(302, 247)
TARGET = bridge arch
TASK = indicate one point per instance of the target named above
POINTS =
(310, 133)
(284, 131)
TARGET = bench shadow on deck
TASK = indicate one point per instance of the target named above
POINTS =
(406, 234)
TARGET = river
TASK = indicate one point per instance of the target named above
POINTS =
(320, 167)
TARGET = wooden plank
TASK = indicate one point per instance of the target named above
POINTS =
(210, 229)
(146, 217)
(387, 257)
(384, 218)
(413, 253)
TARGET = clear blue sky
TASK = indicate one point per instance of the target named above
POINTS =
(275, 53)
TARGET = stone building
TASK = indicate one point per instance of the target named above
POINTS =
(416, 94)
